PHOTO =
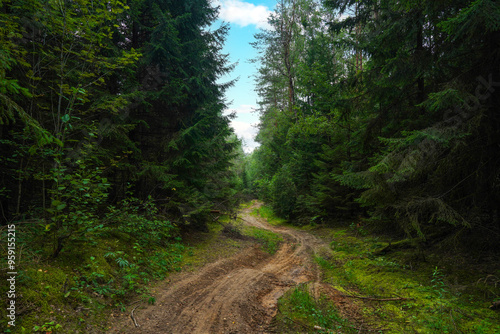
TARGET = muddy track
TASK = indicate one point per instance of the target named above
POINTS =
(233, 295)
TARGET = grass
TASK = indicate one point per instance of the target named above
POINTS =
(270, 241)
(90, 279)
(434, 301)
(267, 213)
(300, 312)
(205, 247)
(86, 282)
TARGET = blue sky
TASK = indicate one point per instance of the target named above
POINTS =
(245, 18)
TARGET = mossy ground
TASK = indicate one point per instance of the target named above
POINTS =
(439, 291)
(267, 213)
(77, 291)
(299, 312)
(435, 297)
(206, 247)
(88, 282)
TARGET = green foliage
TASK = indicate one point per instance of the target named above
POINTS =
(113, 137)
(480, 16)
(380, 114)
(283, 193)
(104, 269)
(271, 241)
(122, 96)
(298, 307)
(141, 218)
(268, 213)
(437, 283)
(435, 299)
(47, 327)
(75, 203)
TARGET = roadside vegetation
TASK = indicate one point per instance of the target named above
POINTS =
(300, 312)
(115, 267)
(379, 132)
(92, 281)
(407, 290)
(113, 145)
(268, 214)
(94, 276)
(392, 288)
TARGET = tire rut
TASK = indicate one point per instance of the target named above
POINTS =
(234, 295)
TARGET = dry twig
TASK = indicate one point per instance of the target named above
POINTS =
(132, 316)
(378, 299)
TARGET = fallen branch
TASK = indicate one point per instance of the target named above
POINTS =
(132, 316)
(319, 328)
(135, 302)
(378, 299)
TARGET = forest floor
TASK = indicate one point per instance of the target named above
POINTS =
(256, 276)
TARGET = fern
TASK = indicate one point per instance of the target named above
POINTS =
(416, 210)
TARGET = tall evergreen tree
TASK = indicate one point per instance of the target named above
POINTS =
(127, 89)
(393, 111)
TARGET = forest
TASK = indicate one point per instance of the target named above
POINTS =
(381, 115)
(390, 115)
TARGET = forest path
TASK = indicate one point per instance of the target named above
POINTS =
(238, 294)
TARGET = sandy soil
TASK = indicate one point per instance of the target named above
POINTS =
(234, 295)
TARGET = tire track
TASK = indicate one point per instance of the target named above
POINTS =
(234, 295)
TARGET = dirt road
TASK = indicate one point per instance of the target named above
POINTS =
(233, 295)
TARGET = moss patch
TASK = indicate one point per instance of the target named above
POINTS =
(434, 299)
(299, 312)
(76, 292)
(267, 213)
(270, 241)
(206, 247)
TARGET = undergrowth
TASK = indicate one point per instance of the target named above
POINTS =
(96, 274)
(109, 267)
(403, 289)
(267, 213)
(270, 241)
(299, 312)
(429, 298)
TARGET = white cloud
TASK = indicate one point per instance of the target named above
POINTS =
(247, 132)
(242, 109)
(243, 13)
(245, 126)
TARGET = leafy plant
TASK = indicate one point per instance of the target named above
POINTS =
(297, 307)
(47, 327)
(438, 284)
